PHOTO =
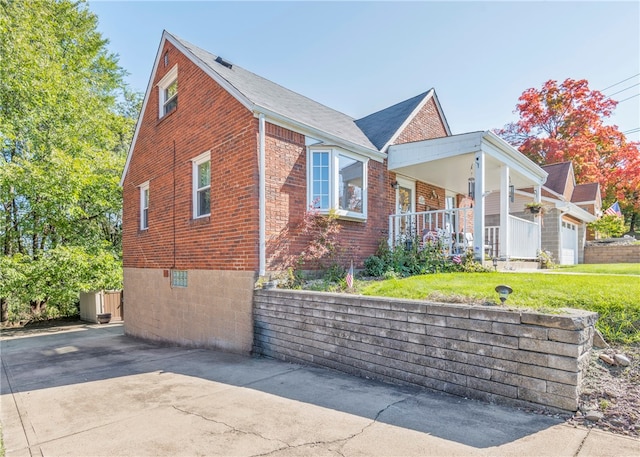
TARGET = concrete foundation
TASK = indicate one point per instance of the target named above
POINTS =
(214, 310)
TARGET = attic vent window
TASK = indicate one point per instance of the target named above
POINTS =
(223, 62)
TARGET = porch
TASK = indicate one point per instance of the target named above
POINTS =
(453, 230)
(473, 164)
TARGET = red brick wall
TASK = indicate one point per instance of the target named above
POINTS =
(286, 195)
(286, 190)
(425, 125)
(207, 118)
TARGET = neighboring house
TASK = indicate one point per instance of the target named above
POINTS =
(224, 164)
(568, 208)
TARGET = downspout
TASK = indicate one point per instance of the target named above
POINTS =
(262, 196)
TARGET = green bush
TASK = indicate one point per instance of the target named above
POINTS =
(49, 285)
(609, 226)
(415, 258)
(374, 266)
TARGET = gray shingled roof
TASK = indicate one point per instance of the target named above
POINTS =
(269, 95)
(382, 125)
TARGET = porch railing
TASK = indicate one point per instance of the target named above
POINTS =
(524, 236)
(452, 227)
(523, 239)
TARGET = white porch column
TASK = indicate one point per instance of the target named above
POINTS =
(537, 190)
(504, 212)
(478, 209)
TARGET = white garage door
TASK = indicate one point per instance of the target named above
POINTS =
(569, 237)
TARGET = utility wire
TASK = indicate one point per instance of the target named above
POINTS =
(620, 82)
(626, 88)
(625, 99)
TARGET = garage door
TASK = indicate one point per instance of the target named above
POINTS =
(569, 236)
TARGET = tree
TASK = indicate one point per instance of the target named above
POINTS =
(565, 122)
(66, 119)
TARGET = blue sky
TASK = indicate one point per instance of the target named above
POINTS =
(360, 57)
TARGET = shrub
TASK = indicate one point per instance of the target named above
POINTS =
(609, 226)
(374, 266)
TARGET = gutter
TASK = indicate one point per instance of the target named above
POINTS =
(262, 243)
(308, 130)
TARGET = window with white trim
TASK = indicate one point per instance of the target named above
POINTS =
(168, 92)
(338, 180)
(202, 185)
(144, 206)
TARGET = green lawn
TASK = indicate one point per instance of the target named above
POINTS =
(616, 298)
(609, 268)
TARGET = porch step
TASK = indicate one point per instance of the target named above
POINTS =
(517, 265)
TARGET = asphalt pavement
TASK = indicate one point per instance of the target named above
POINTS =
(89, 390)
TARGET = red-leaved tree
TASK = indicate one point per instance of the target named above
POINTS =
(565, 122)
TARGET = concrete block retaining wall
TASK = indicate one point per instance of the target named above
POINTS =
(604, 253)
(483, 352)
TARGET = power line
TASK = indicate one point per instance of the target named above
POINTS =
(620, 82)
(637, 129)
(626, 88)
(624, 100)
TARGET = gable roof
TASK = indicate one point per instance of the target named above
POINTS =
(260, 93)
(280, 104)
(586, 193)
(558, 175)
(383, 127)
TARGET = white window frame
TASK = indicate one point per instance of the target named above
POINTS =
(144, 206)
(197, 161)
(334, 191)
(165, 82)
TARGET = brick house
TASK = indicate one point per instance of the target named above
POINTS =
(224, 164)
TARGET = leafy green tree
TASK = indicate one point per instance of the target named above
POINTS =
(66, 120)
(609, 226)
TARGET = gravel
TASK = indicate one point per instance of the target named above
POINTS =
(613, 391)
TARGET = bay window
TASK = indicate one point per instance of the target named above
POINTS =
(337, 180)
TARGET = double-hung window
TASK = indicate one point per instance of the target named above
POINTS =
(202, 185)
(168, 92)
(144, 206)
(338, 181)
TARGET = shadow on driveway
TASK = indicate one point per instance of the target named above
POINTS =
(50, 361)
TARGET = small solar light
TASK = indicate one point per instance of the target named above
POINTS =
(503, 292)
(495, 263)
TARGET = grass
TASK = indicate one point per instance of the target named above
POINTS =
(613, 296)
(609, 268)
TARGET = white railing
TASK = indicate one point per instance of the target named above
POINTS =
(452, 227)
(492, 241)
(524, 237)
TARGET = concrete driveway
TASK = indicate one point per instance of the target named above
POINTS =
(88, 390)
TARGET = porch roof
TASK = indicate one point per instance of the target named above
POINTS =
(447, 162)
